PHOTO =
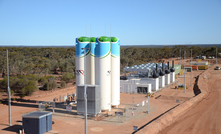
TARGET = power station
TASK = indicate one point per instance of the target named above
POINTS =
(98, 64)
(148, 77)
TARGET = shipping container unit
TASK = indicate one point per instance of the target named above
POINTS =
(153, 81)
(103, 70)
(115, 71)
(167, 75)
(188, 69)
(203, 67)
(199, 63)
(194, 67)
(143, 88)
(37, 122)
(161, 81)
(177, 69)
(92, 55)
(93, 100)
(133, 86)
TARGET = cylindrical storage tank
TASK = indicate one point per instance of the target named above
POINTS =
(81, 44)
(92, 56)
(103, 70)
(115, 71)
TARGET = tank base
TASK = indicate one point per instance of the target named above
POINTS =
(106, 110)
(114, 106)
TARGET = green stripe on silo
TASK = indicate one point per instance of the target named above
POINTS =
(114, 39)
(84, 39)
(93, 39)
(104, 39)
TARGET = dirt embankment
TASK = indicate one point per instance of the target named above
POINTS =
(172, 114)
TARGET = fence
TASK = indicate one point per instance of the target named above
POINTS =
(61, 105)
(118, 115)
(123, 114)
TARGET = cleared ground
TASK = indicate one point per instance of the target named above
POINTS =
(72, 123)
(205, 117)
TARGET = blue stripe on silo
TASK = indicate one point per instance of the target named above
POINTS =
(102, 49)
(93, 44)
(79, 46)
(115, 48)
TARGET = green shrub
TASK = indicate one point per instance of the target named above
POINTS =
(45, 79)
(31, 82)
(63, 84)
(50, 85)
(1, 83)
(32, 77)
(23, 82)
(29, 77)
(28, 90)
(22, 96)
(13, 81)
(67, 77)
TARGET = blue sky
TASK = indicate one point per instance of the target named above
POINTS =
(135, 22)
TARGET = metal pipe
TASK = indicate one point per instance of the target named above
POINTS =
(184, 72)
(148, 104)
(9, 93)
(85, 91)
(162, 66)
(216, 56)
(168, 65)
(191, 70)
(156, 68)
(180, 55)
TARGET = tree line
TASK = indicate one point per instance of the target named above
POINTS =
(26, 60)
(30, 67)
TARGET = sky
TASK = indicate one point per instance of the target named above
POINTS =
(134, 22)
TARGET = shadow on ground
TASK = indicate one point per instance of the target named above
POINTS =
(14, 128)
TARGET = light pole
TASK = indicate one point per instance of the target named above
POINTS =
(9, 93)
(216, 56)
(184, 71)
(148, 104)
(180, 55)
(191, 70)
(85, 90)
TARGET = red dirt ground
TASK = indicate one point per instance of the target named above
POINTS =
(204, 118)
(75, 124)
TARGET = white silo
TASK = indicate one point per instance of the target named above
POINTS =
(82, 48)
(92, 56)
(115, 71)
(103, 70)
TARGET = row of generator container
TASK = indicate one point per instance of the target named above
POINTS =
(197, 67)
(146, 84)
(98, 63)
(148, 78)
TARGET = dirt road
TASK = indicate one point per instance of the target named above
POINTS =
(205, 117)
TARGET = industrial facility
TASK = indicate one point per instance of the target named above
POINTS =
(98, 66)
(146, 78)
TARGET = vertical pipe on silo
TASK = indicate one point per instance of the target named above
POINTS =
(115, 71)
